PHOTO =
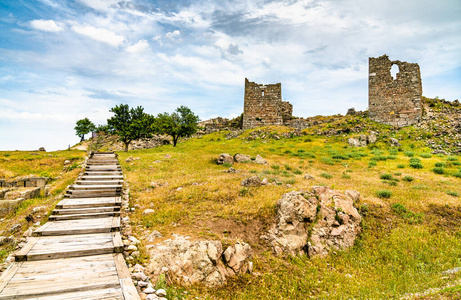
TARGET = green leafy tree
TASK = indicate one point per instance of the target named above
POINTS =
(130, 124)
(182, 123)
(83, 127)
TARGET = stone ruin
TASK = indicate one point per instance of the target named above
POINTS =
(394, 101)
(263, 105)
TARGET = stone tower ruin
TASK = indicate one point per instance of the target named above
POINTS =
(263, 105)
(392, 101)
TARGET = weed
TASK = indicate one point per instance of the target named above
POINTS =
(408, 215)
(346, 176)
(384, 194)
(385, 176)
(457, 174)
(227, 165)
(245, 192)
(326, 175)
(372, 164)
(415, 163)
(453, 193)
(398, 173)
(290, 181)
(327, 161)
(275, 167)
(425, 155)
(438, 170)
(409, 153)
(408, 178)
(440, 164)
(253, 171)
(297, 172)
(287, 167)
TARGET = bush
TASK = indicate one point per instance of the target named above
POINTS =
(327, 161)
(457, 174)
(227, 165)
(384, 194)
(386, 176)
(297, 172)
(371, 164)
(438, 170)
(275, 167)
(440, 165)
(405, 213)
(409, 153)
(287, 167)
(452, 158)
(400, 166)
(326, 175)
(408, 178)
(415, 163)
(397, 173)
(425, 155)
(346, 176)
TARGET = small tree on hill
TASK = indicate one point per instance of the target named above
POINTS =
(182, 123)
(83, 127)
(130, 124)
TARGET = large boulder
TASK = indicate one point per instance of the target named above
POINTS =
(185, 262)
(242, 158)
(225, 158)
(251, 181)
(260, 160)
(315, 222)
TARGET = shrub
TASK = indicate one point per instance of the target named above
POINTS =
(275, 167)
(457, 174)
(409, 153)
(287, 167)
(384, 194)
(440, 165)
(453, 193)
(371, 164)
(397, 173)
(385, 176)
(327, 161)
(456, 163)
(400, 166)
(452, 158)
(415, 163)
(425, 155)
(227, 165)
(438, 170)
(346, 176)
(405, 213)
(326, 175)
(392, 183)
(290, 181)
(408, 178)
(297, 172)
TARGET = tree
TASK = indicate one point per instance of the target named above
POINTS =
(83, 127)
(181, 123)
(130, 124)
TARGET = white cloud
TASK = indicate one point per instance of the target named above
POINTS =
(100, 4)
(46, 25)
(174, 36)
(100, 34)
(141, 46)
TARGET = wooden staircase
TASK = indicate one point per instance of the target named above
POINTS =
(77, 253)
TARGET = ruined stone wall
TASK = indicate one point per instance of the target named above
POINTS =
(263, 105)
(394, 101)
(24, 182)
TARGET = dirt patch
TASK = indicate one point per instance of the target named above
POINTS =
(445, 217)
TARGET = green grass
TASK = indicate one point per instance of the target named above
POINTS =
(384, 194)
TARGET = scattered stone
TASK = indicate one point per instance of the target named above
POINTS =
(252, 181)
(142, 284)
(131, 248)
(231, 170)
(351, 112)
(265, 181)
(242, 158)
(330, 215)
(15, 228)
(161, 293)
(167, 156)
(66, 162)
(225, 158)
(134, 240)
(308, 177)
(131, 158)
(28, 232)
(260, 160)
(452, 271)
(5, 240)
(149, 290)
(353, 142)
(148, 211)
(371, 139)
(440, 152)
(38, 209)
(394, 142)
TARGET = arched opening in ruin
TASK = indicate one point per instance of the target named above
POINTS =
(262, 94)
(394, 71)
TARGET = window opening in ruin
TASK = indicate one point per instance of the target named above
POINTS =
(262, 93)
(394, 71)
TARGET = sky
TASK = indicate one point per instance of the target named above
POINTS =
(64, 60)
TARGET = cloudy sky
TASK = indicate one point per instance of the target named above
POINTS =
(63, 60)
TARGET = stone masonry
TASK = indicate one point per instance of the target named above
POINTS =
(263, 105)
(392, 101)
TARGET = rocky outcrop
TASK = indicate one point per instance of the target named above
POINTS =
(185, 262)
(363, 140)
(315, 222)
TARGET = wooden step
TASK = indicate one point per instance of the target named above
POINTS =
(84, 216)
(55, 279)
(85, 226)
(104, 168)
(102, 173)
(54, 247)
(92, 194)
(99, 182)
(100, 177)
(88, 210)
(88, 202)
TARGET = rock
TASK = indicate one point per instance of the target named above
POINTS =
(131, 158)
(161, 293)
(152, 297)
(440, 152)
(138, 268)
(242, 158)
(15, 228)
(394, 142)
(353, 142)
(142, 283)
(252, 181)
(260, 160)
(28, 232)
(452, 271)
(149, 290)
(225, 158)
(66, 162)
(42, 149)
(167, 156)
(231, 170)
(308, 177)
(363, 140)
(148, 211)
(351, 112)
(265, 181)
(38, 209)
(371, 139)
(314, 222)
(353, 194)
(5, 240)
(139, 276)
(185, 262)
(131, 248)
(134, 240)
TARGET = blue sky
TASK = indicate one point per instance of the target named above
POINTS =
(63, 60)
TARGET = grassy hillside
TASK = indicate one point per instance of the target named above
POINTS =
(409, 197)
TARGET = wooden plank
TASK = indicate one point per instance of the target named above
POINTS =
(96, 294)
(99, 225)
(95, 187)
(87, 210)
(8, 274)
(84, 216)
(21, 255)
(117, 242)
(129, 290)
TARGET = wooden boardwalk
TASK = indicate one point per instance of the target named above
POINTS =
(77, 253)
